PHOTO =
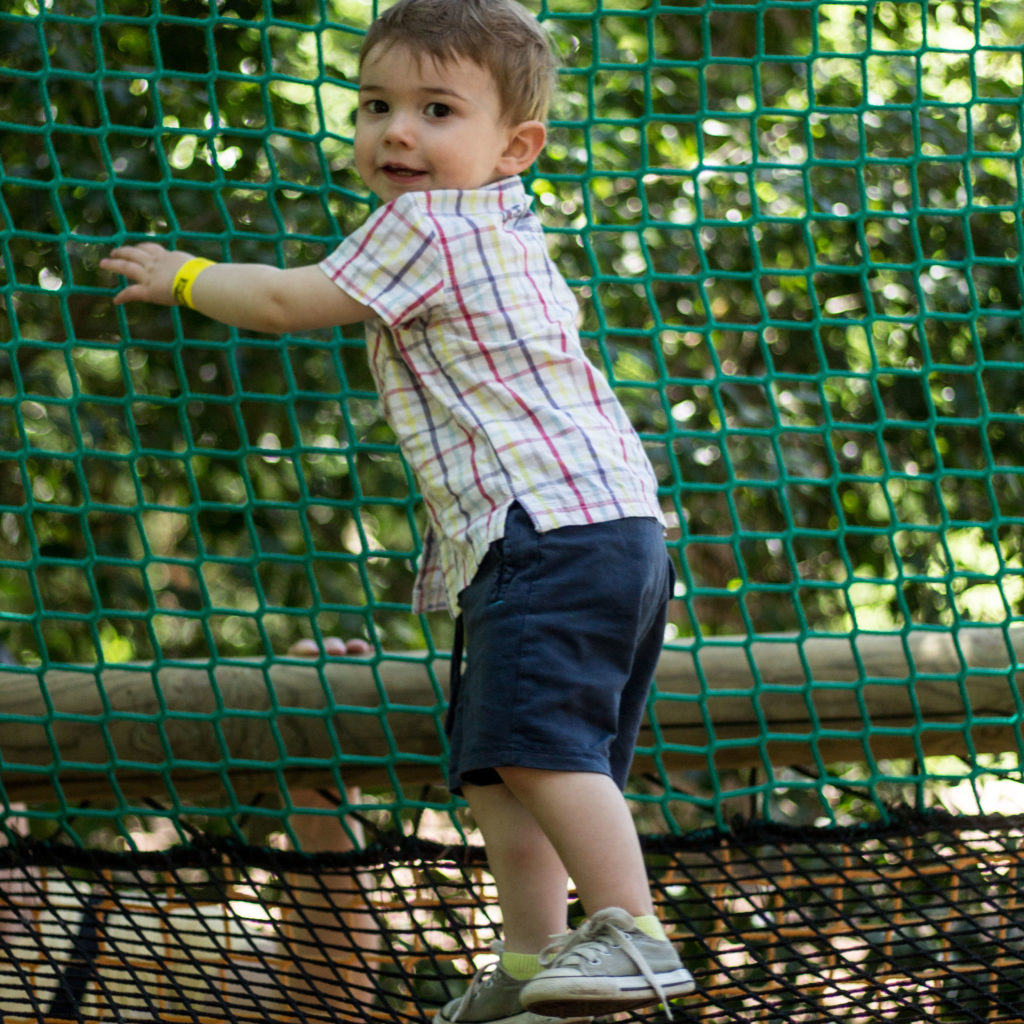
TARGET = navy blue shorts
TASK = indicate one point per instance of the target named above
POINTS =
(562, 633)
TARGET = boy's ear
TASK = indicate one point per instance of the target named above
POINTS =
(525, 142)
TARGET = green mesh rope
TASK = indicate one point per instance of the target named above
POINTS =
(795, 229)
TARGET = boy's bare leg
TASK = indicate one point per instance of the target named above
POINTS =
(588, 822)
(532, 881)
(620, 958)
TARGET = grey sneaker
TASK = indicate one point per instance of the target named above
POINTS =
(493, 998)
(606, 965)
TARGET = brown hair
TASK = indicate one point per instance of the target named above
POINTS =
(499, 35)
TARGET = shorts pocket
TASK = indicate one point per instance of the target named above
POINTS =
(514, 550)
(502, 571)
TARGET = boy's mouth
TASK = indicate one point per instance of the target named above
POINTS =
(400, 171)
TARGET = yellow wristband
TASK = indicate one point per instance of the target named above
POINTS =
(186, 277)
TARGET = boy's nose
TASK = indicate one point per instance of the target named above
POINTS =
(399, 130)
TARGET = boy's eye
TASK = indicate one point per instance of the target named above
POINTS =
(375, 107)
(438, 110)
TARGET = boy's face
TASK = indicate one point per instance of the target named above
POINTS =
(423, 124)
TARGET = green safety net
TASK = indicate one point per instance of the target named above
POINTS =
(795, 229)
(795, 232)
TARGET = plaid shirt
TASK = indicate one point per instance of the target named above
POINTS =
(480, 371)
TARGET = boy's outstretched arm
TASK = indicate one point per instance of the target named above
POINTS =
(252, 296)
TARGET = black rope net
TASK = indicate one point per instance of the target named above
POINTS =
(917, 920)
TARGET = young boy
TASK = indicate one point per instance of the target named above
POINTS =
(545, 535)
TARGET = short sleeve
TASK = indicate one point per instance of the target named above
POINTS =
(394, 263)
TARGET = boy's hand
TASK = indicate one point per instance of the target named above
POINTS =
(151, 269)
(334, 647)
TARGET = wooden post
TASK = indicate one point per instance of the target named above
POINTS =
(725, 703)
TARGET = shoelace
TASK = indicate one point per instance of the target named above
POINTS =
(592, 931)
(557, 945)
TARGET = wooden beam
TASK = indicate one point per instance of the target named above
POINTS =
(207, 732)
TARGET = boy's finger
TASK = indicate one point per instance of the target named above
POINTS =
(118, 264)
(124, 253)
